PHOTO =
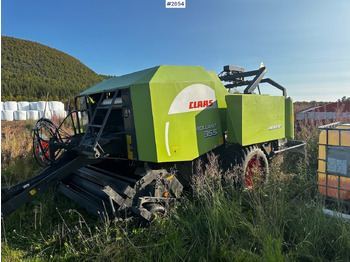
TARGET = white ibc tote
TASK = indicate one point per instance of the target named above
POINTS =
(23, 105)
(10, 105)
(7, 115)
(32, 115)
(20, 115)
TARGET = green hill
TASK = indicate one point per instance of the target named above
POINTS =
(30, 70)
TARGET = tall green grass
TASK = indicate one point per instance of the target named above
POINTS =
(282, 220)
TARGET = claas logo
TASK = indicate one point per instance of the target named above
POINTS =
(200, 104)
(193, 98)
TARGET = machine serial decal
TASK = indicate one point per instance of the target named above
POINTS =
(200, 128)
(193, 98)
(210, 133)
(274, 127)
(209, 130)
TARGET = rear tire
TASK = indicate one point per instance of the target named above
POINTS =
(255, 167)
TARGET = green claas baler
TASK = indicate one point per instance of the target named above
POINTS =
(129, 132)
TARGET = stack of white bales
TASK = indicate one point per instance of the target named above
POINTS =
(8, 110)
(31, 110)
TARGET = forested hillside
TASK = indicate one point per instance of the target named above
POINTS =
(30, 70)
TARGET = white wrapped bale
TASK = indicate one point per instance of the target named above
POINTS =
(56, 105)
(10, 105)
(23, 105)
(61, 106)
(41, 106)
(32, 115)
(58, 113)
(47, 114)
(7, 115)
(33, 106)
(20, 115)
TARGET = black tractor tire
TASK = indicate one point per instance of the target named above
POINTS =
(255, 167)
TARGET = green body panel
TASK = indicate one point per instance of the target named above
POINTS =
(144, 129)
(234, 118)
(289, 118)
(255, 119)
(181, 132)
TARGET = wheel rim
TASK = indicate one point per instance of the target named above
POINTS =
(156, 209)
(253, 173)
(44, 132)
(42, 150)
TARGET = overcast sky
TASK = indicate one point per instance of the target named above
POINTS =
(304, 44)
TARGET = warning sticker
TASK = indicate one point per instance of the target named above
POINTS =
(337, 166)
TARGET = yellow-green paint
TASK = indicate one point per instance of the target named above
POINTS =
(255, 118)
(289, 118)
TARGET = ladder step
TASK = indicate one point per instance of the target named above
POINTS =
(90, 131)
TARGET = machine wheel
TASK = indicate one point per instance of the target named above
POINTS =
(157, 209)
(255, 167)
(45, 133)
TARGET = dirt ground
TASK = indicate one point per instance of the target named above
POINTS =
(16, 140)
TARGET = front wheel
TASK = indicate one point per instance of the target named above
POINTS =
(255, 167)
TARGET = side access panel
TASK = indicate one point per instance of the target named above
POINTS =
(186, 120)
(143, 122)
(289, 119)
(253, 119)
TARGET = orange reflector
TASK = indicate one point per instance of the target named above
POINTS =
(165, 194)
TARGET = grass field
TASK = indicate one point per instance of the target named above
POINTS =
(280, 221)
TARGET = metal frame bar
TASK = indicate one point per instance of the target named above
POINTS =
(256, 80)
(241, 75)
(273, 83)
(238, 80)
(20, 194)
